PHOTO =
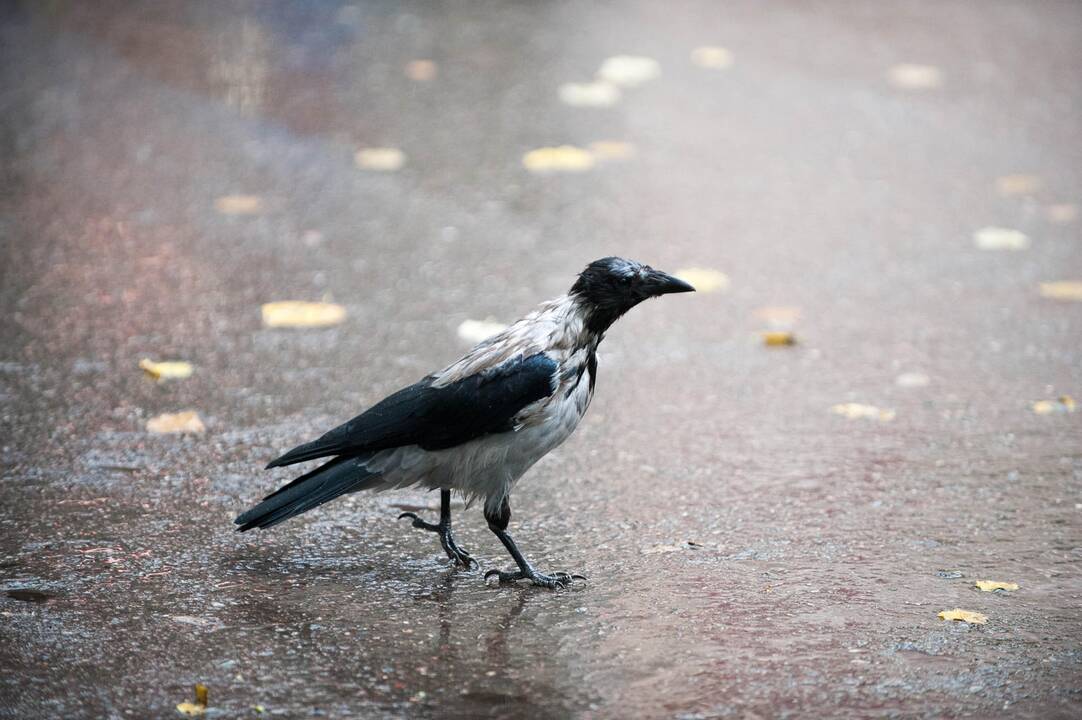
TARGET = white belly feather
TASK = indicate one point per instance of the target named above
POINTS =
(489, 466)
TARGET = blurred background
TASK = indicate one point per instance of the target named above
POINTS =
(784, 478)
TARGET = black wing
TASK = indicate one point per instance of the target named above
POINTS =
(438, 418)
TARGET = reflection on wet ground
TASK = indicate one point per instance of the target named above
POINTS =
(751, 551)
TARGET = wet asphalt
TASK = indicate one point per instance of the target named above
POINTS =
(751, 553)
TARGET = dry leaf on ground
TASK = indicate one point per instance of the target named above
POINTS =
(612, 150)
(778, 338)
(565, 158)
(1062, 404)
(187, 421)
(1062, 213)
(712, 57)
(967, 616)
(475, 331)
(421, 70)
(300, 314)
(705, 280)
(855, 411)
(1063, 290)
(167, 370)
(910, 76)
(992, 585)
(628, 70)
(595, 94)
(380, 159)
(199, 707)
(1008, 185)
(997, 238)
(239, 204)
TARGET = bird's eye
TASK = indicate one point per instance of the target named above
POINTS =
(625, 280)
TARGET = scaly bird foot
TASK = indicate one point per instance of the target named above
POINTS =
(555, 581)
(447, 540)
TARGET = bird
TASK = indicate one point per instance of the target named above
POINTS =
(476, 426)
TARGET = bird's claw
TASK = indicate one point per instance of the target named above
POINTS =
(457, 555)
(419, 523)
(554, 581)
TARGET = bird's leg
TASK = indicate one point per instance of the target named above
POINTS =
(497, 523)
(443, 529)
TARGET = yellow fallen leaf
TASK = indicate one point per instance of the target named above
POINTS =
(1063, 290)
(628, 70)
(705, 280)
(966, 616)
(380, 159)
(299, 314)
(991, 585)
(910, 76)
(187, 421)
(778, 338)
(712, 57)
(168, 370)
(1008, 185)
(475, 331)
(199, 707)
(565, 158)
(996, 238)
(421, 70)
(596, 94)
(1063, 213)
(855, 411)
(1062, 404)
(239, 204)
(612, 150)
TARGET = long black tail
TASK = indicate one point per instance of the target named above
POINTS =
(326, 482)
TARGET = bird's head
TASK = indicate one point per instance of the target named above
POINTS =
(611, 286)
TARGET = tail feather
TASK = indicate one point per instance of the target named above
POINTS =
(326, 482)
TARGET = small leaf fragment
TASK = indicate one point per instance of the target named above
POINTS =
(199, 707)
(992, 585)
(595, 94)
(612, 150)
(705, 280)
(855, 411)
(1008, 185)
(421, 70)
(712, 57)
(167, 370)
(187, 421)
(1062, 290)
(628, 70)
(1062, 213)
(475, 331)
(565, 158)
(778, 338)
(911, 76)
(1062, 404)
(966, 616)
(239, 204)
(380, 159)
(997, 238)
(300, 314)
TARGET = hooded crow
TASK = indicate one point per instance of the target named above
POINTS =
(479, 424)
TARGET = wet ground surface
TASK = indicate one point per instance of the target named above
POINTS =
(750, 553)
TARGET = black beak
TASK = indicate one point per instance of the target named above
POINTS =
(659, 283)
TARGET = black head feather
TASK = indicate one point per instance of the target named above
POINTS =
(611, 286)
